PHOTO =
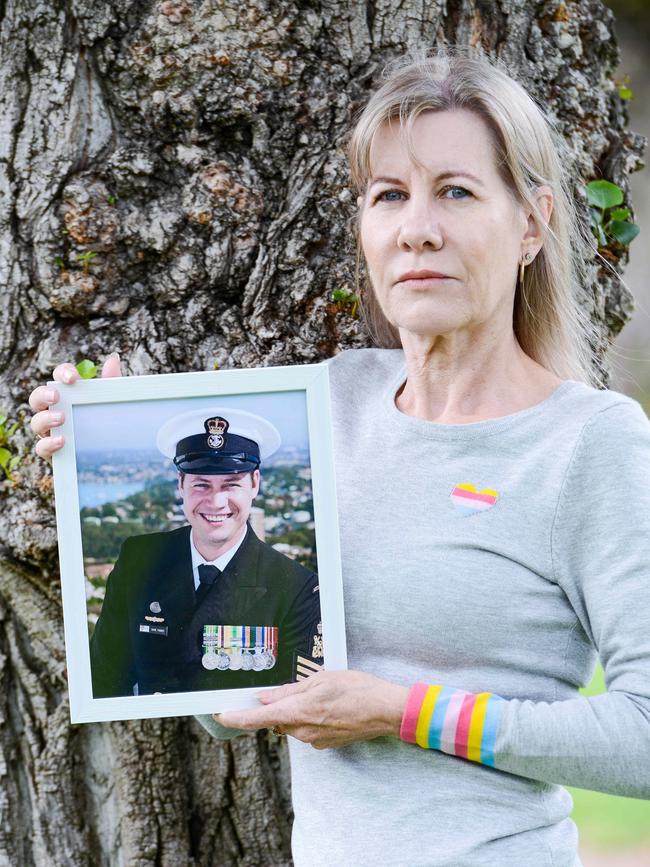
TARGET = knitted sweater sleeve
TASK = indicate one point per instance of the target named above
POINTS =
(217, 731)
(600, 545)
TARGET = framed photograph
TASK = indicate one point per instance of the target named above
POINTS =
(198, 539)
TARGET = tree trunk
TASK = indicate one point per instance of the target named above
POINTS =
(197, 148)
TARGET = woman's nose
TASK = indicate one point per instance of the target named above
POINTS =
(420, 227)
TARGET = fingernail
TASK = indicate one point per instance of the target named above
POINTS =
(67, 376)
(115, 355)
(49, 395)
(56, 417)
(56, 441)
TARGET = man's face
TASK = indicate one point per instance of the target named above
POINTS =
(217, 508)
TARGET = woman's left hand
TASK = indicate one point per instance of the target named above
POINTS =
(328, 709)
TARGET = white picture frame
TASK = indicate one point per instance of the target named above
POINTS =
(150, 395)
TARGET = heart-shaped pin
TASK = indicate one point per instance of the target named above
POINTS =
(469, 501)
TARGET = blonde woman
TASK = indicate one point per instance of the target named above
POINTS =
(495, 508)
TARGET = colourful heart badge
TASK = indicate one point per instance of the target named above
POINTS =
(469, 501)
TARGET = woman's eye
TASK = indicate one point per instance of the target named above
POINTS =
(455, 193)
(389, 196)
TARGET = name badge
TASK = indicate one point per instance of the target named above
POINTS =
(153, 630)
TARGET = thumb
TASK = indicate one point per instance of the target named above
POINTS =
(111, 366)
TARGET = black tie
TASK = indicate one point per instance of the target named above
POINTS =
(207, 576)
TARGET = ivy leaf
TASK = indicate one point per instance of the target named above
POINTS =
(86, 368)
(623, 231)
(624, 90)
(604, 194)
(619, 214)
(5, 457)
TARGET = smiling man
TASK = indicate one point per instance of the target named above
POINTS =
(207, 606)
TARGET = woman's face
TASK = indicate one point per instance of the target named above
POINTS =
(452, 217)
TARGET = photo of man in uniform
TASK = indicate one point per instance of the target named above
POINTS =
(208, 605)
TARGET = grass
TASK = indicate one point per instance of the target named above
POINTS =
(606, 821)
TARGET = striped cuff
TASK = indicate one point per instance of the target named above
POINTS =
(459, 723)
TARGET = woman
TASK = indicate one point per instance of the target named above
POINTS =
(494, 508)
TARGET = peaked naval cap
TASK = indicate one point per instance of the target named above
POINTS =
(217, 441)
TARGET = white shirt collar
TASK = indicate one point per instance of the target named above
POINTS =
(221, 562)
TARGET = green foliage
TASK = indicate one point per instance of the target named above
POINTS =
(148, 514)
(9, 460)
(624, 90)
(609, 222)
(346, 301)
(104, 542)
(604, 194)
(85, 258)
(59, 262)
(610, 822)
(111, 200)
(87, 369)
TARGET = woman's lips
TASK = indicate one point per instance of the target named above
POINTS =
(422, 282)
(422, 278)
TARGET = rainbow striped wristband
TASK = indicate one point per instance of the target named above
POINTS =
(459, 723)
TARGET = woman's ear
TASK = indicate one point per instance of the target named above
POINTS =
(538, 223)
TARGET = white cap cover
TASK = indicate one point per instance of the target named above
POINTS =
(217, 439)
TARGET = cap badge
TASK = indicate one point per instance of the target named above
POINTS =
(216, 428)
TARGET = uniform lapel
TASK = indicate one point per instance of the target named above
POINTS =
(173, 579)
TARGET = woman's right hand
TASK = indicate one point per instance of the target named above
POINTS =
(45, 420)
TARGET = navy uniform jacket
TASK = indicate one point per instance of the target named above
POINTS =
(258, 587)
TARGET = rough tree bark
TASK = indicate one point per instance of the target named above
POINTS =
(197, 148)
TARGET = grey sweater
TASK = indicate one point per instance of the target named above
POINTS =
(517, 599)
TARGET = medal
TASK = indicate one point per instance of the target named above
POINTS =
(259, 662)
(223, 660)
(236, 641)
(155, 608)
(210, 660)
(247, 660)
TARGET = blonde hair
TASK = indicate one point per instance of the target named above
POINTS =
(548, 318)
